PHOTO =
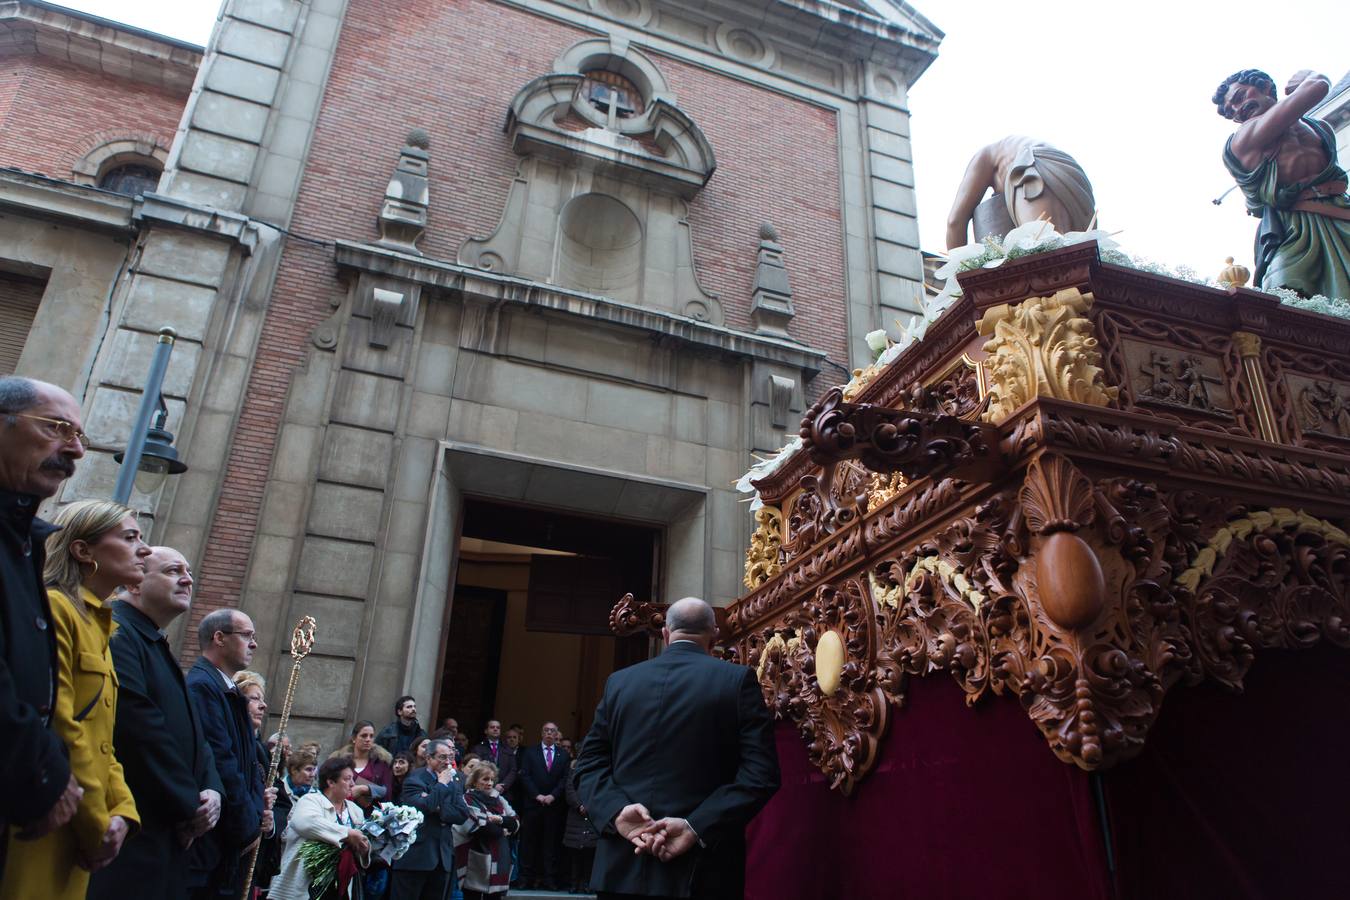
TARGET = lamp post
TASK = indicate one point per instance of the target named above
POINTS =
(150, 454)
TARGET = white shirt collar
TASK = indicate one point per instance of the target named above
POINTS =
(229, 682)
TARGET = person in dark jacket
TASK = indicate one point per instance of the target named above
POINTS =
(40, 439)
(494, 749)
(680, 757)
(216, 861)
(165, 757)
(543, 775)
(404, 732)
(426, 871)
(579, 839)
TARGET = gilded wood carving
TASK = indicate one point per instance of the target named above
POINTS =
(1043, 347)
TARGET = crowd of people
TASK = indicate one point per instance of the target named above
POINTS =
(127, 778)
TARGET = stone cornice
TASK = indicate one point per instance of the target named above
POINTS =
(26, 194)
(498, 288)
(834, 28)
(98, 45)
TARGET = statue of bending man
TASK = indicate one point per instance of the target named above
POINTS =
(1285, 164)
(1035, 180)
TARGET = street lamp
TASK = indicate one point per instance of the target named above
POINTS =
(150, 454)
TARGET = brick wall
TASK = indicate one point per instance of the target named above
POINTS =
(52, 113)
(453, 68)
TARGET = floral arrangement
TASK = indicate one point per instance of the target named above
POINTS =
(992, 252)
(391, 830)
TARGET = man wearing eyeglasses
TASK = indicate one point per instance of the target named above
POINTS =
(217, 859)
(426, 871)
(40, 441)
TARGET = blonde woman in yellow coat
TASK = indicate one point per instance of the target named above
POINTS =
(97, 550)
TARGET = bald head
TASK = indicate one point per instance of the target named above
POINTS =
(166, 592)
(690, 619)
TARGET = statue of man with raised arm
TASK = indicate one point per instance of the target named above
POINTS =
(1285, 163)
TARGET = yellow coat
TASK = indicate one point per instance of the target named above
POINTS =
(86, 708)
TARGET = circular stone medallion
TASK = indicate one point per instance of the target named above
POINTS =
(829, 662)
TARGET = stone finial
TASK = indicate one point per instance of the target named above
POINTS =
(419, 138)
(403, 216)
(771, 305)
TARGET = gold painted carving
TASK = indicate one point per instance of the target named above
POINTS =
(1202, 566)
(761, 560)
(882, 489)
(1043, 347)
(1249, 349)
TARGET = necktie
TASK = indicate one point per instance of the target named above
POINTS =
(494, 751)
(548, 758)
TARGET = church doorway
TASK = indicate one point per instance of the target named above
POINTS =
(528, 637)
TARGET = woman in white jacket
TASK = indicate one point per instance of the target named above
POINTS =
(324, 815)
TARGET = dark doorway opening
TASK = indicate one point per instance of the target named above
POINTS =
(528, 637)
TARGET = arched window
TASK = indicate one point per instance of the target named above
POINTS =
(130, 178)
(126, 163)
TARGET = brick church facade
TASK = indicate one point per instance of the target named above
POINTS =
(436, 266)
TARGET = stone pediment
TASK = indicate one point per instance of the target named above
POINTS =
(599, 201)
(557, 117)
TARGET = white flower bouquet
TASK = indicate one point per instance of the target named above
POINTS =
(391, 830)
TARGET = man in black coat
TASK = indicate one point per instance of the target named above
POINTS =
(497, 751)
(405, 731)
(543, 782)
(685, 738)
(215, 860)
(40, 439)
(165, 757)
(426, 871)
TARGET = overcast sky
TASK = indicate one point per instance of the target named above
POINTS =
(1124, 87)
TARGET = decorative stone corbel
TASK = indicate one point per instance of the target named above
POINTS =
(403, 216)
(771, 305)
(384, 310)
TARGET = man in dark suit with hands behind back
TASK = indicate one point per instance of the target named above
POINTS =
(679, 759)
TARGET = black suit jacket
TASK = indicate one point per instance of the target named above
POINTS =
(442, 807)
(223, 715)
(507, 768)
(536, 778)
(33, 767)
(685, 735)
(164, 754)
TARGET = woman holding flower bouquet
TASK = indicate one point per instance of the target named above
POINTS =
(325, 847)
(483, 841)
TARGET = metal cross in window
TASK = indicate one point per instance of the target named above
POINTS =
(614, 104)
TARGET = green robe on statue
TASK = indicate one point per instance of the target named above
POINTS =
(1305, 251)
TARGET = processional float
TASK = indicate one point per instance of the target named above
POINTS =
(1090, 488)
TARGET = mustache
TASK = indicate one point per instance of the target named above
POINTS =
(59, 464)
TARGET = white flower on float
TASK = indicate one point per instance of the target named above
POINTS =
(958, 256)
(1103, 239)
(877, 340)
(1029, 236)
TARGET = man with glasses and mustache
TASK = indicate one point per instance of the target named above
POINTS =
(217, 866)
(427, 870)
(40, 440)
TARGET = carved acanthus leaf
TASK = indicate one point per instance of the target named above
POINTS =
(1043, 347)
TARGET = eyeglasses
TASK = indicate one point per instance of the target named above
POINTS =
(248, 636)
(66, 431)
